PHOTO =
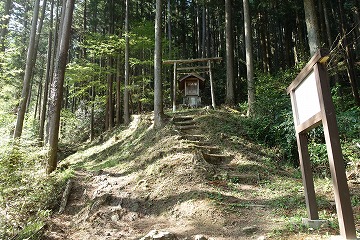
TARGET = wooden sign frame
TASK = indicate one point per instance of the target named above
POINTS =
(327, 117)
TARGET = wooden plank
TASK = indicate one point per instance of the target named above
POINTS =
(192, 60)
(307, 176)
(313, 122)
(191, 68)
(174, 87)
(337, 166)
(211, 86)
(321, 56)
(189, 73)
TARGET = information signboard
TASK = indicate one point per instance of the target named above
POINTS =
(307, 99)
(312, 105)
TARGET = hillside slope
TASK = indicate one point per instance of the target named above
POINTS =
(197, 175)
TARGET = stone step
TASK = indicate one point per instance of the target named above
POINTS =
(198, 143)
(182, 118)
(187, 127)
(185, 123)
(215, 159)
(208, 149)
(192, 137)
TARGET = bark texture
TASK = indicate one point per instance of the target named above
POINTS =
(56, 91)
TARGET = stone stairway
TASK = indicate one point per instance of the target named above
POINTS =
(191, 133)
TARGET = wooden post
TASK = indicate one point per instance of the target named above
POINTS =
(337, 168)
(174, 88)
(307, 176)
(211, 85)
(305, 166)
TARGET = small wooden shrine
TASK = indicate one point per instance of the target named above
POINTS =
(191, 85)
(192, 82)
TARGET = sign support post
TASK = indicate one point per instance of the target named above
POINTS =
(312, 105)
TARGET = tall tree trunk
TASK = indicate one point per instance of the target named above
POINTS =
(229, 54)
(169, 27)
(28, 72)
(203, 38)
(127, 66)
(249, 59)
(37, 40)
(327, 24)
(158, 95)
(110, 104)
(198, 35)
(92, 117)
(4, 24)
(118, 91)
(312, 26)
(56, 92)
(38, 97)
(349, 56)
(47, 80)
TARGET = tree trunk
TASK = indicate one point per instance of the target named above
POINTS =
(229, 54)
(4, 24)
(92, 117)
(47, 77)
(249, 59)
(38, 96)
(349, 57)
(110, 109)
(37, 40)
(169, 27)
(56, 92)
(198, 35)
(28, 72)
(312, 26)
(127, 66)
(327, 24)
(118, 91)
(158, 97)
(203, 41)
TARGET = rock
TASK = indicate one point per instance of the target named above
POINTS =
(115, 217)
(200, 237)
(261, 238)
(250, 230)
(158, 235)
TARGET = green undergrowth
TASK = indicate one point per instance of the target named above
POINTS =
(27, 194)
(279, 181)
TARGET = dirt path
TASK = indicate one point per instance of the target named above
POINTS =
(108, 206)
(161, 180)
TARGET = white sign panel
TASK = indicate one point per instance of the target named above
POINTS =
(307, 99)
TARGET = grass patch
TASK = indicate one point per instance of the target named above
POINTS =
(26, 192)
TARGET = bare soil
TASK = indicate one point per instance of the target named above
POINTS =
(164, 183)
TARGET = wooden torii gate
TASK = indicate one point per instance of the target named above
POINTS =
(206, 69)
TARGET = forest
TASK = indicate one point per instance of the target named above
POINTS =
(74, 72)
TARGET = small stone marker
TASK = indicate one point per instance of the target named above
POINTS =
(159, 235)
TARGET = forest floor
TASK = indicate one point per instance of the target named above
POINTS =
(139, 179)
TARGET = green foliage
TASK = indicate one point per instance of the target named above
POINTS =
(100, 45)
(26, 193)
(349, 123)
(319, 158)
(349, 131)
(75, 126)
(273, 122)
